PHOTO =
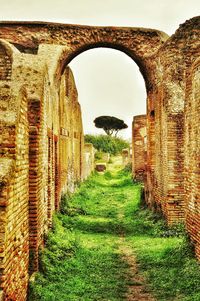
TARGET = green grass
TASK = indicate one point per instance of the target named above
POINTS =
(169, 266)
(82, 260)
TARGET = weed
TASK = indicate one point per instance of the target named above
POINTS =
(128, 168)
(107, 175)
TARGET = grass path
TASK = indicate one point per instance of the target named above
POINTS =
(106, 246)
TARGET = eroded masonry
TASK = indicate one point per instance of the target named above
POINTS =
(42, 150)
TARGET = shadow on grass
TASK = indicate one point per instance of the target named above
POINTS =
(170, 268)
(94, 225)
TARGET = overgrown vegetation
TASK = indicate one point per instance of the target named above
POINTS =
(82, 261)
(107, 144)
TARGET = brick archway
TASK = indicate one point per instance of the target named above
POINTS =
(149, 50)
(138, 43)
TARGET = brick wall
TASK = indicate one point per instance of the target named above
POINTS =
(165, 127)
(192, 154)
(71, 134)
(150, 166)
(14, 205)
(5, 64)
(33, 124)
(14, 235)
(16, 246)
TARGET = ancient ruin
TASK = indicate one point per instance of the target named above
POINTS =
(41, 134)
(139, 148)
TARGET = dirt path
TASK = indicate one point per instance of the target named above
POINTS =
(137, 289)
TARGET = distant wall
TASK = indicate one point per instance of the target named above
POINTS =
(139, 148)
(126, 156)
(89, 164)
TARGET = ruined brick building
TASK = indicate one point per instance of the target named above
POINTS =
(41, 135)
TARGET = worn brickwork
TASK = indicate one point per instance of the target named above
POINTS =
(41, 135)
(192, 154)
(165, 123)
(139, 148)
(17, 229)
(14, 193)
(31, 127)
(71, 134)
(58, 152)
(89, 164)
(5, 64)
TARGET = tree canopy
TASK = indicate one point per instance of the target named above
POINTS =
(110, 124)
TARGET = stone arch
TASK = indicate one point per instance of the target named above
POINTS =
(145, 65)
(133, 44)
(139, 43)
(141, 63)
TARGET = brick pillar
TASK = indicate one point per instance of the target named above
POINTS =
(34, 122)
(192, 154)
(174, 204)
(150, 166)
(57, 175)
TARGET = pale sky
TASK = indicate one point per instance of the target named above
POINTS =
(108, 81)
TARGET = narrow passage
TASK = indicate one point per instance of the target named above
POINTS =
(104, 246)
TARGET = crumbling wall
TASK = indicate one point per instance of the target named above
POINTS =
(71, 134)
(150, 123)
(166, 99)
(192, 154)
(55, 168)
(139, 148)
(30, 158)
(14, 192)
(77, 134)
(88, 163)
(126, 159)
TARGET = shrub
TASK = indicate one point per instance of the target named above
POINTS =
(107, 144)
(98, 155)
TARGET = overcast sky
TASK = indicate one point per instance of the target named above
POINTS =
(108, 81)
